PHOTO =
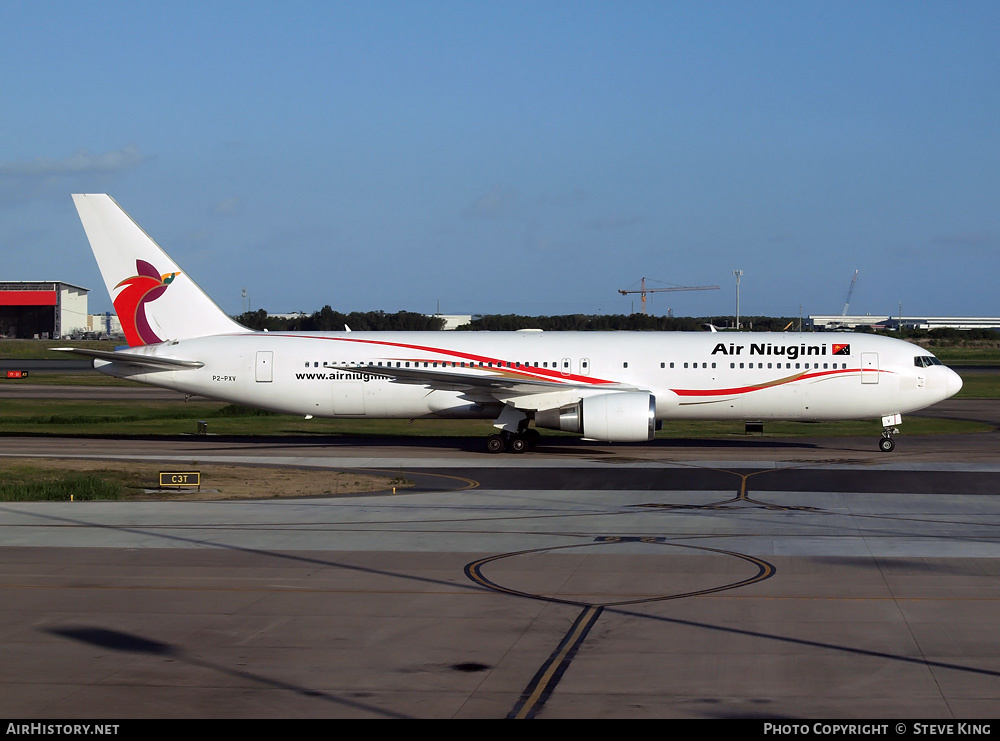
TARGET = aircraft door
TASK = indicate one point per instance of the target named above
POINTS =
(566, 366)
(265, 359)
(869, 367)
(348, 398)
(584, 366)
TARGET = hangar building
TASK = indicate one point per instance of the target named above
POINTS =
(43, 309)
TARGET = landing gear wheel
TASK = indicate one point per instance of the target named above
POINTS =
(495, 444)
(518, 444)
(532, 437)
(886, 444)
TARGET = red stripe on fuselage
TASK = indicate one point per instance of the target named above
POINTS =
(505, 365)
(773, 384)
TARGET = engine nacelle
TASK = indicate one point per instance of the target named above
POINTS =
(624, 417)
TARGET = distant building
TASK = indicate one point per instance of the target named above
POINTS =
(453, 321)
(949, 322)
(836, 321)
(292, 315)
(829, 322)
(104, 325)
(42, 309)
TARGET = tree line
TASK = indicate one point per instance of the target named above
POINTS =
(326, 319)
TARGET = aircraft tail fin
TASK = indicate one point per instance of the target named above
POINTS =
(154, 299)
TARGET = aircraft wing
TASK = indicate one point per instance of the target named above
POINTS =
(132, 358)
(502, 384)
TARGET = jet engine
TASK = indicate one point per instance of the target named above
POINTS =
(623, 417)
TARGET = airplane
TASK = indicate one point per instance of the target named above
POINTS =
(605, 386)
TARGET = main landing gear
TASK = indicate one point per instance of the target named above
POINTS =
(514, 435)
(513, 442)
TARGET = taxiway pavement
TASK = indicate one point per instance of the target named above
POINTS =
(758, 578)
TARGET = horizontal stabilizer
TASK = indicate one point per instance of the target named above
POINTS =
(150, 361)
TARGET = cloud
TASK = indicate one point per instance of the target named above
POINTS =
(23, 181)
(497, 203)
(613, 223)
(226, 207)
(783, 237)
(81, 163)
(975, 240)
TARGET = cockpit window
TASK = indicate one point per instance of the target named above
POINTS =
(924, 361)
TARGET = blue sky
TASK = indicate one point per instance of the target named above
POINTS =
(515, 157)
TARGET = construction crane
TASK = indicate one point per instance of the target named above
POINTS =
(643, 290)
(850, 292)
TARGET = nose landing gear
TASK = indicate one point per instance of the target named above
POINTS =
(886, 444)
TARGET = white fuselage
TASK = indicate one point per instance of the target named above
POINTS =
(737, 376)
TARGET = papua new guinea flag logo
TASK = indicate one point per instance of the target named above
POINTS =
(836, 349)
(130, 305)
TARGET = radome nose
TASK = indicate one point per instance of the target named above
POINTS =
(954, 383)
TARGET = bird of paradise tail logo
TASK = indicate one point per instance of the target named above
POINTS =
(130, 305)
